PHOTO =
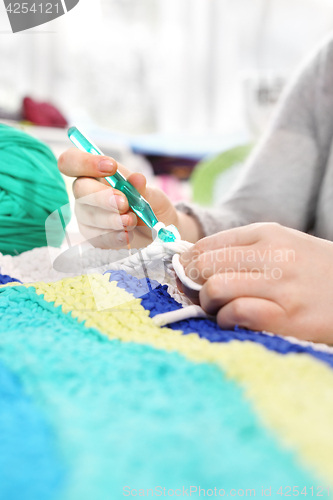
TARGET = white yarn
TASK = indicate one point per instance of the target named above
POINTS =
(180, 297)
(191, 311)
(155, 262)
(156, 251)
(38, 264)
(159, 252)
(180, 271)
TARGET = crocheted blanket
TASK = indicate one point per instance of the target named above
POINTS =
(99, 403)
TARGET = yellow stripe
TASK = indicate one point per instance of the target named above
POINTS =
(292, 394)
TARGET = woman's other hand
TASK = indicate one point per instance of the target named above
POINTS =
(266, 277)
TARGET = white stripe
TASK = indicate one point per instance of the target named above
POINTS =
(64, 6)
(179, 315)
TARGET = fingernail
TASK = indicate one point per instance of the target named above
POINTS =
(122, 220)
(106, 166)
(120, 201)
(117, 201)
(121, 237)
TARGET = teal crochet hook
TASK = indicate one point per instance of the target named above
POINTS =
(137, 202)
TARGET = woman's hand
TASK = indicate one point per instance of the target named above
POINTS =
(103, 213)
(266, 277)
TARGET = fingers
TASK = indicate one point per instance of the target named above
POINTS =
(252, 313)
(103, 213)
(104, 219)
(221, 289)
(205, 265)
(139, 182)
(246, 235)
(88, 191)
(237, 237)
(106, 239)
(109, 240)
(76, 163)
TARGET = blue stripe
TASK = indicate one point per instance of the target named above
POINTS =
(4, 279)
(158, 301)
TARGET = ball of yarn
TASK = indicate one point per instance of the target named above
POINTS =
(31, 188)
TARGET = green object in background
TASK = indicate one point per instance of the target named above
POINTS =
(31, 188)
(206, 172)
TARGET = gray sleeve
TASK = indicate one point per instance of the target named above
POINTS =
(281, 179)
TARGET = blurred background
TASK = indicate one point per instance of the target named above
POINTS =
(159, 84)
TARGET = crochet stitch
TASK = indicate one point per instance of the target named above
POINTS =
(124, 318)
(128, 414)
(130, 403)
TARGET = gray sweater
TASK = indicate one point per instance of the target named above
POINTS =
(289, 177)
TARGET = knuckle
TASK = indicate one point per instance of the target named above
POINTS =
(271, 227)
(237, 312)
(264, 230)
(203, 245)
(201, 264)
(77, 186)
(254, 226)
(62, 162)
(199, 247)
(255, 229)
(212, 287)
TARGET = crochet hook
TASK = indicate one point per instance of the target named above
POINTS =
(138, 204)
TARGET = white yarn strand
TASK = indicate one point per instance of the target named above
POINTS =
(156, 251)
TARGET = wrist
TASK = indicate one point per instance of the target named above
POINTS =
(188, 227)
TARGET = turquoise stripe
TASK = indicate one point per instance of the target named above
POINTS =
(130, 415)
(30, 468)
